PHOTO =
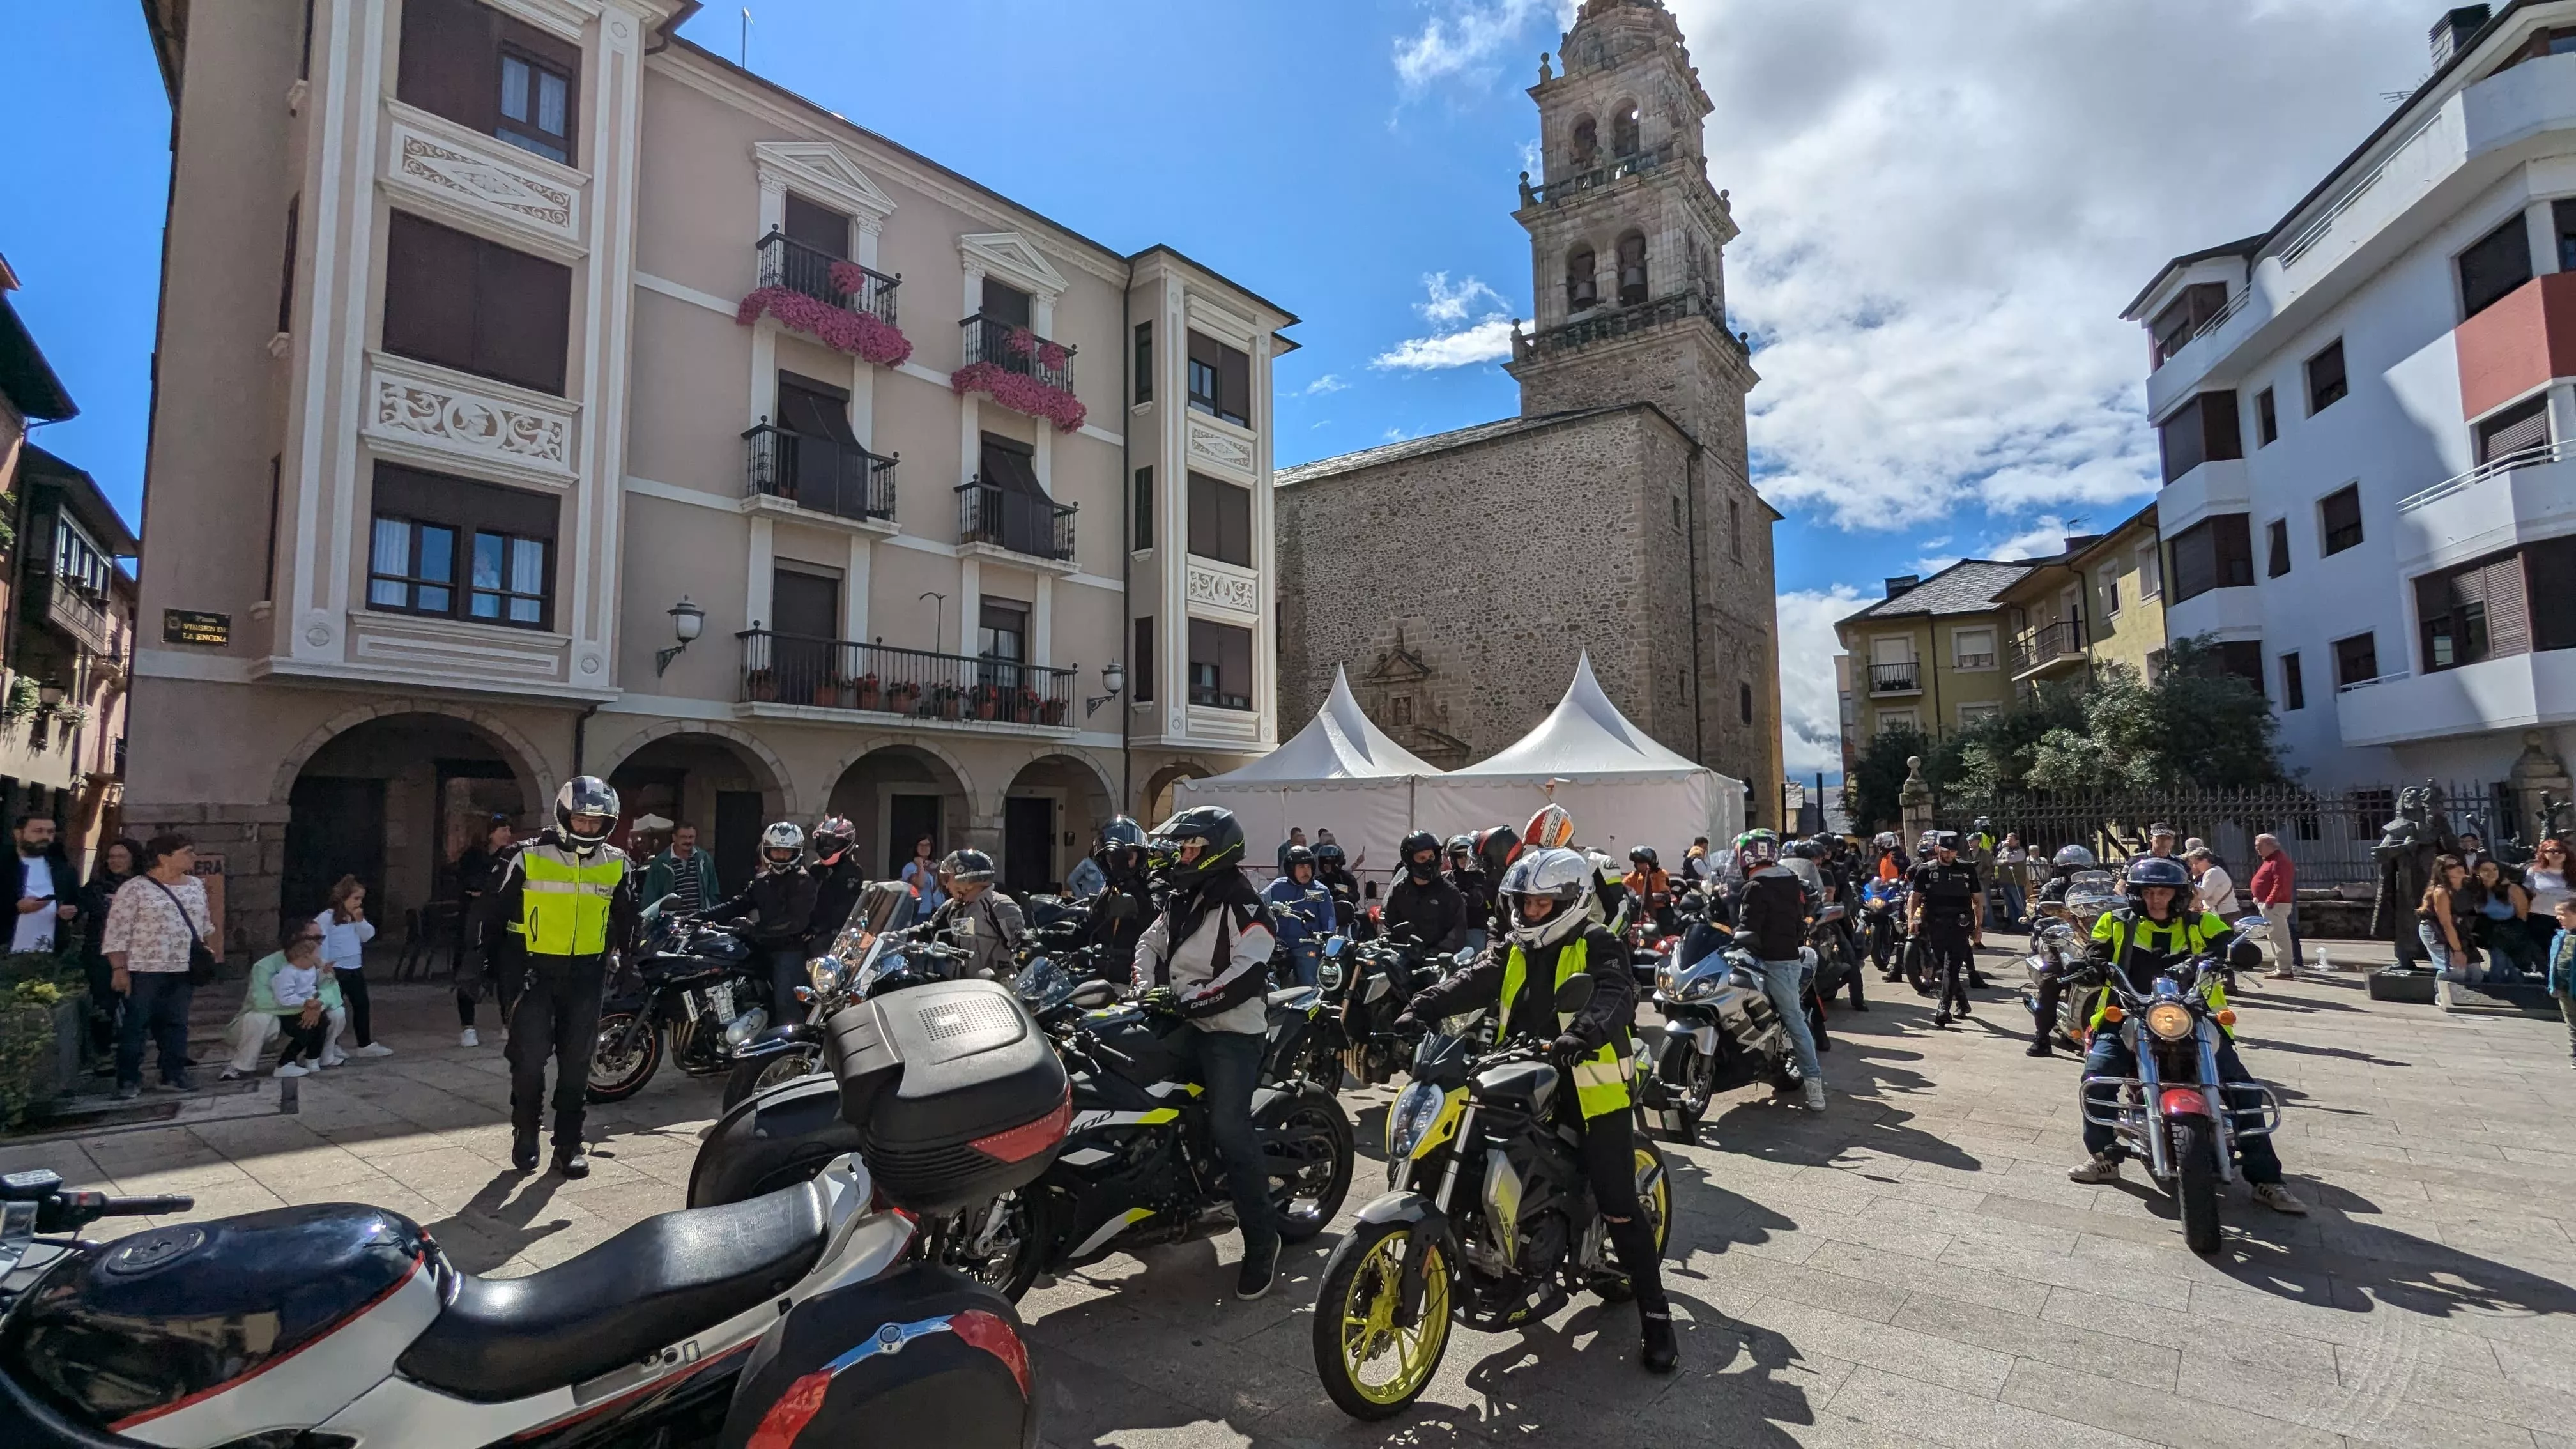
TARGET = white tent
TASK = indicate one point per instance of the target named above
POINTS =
(1340, 773)
(1622, 787)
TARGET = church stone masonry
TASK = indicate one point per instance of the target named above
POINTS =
(1466, 570)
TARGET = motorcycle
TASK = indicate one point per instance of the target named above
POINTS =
(2058, 946)
(1378, 979)
(1507, 1234)
(2175, 1112)
(1829, 937)
(892, 961)
(795, 1313)
(1882, 930)
(1720, 1032)
(704, 994)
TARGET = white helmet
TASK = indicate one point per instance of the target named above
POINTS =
(1559, 875)
(2074, 857)
(784, 836)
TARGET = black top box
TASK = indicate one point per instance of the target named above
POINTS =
(956, 1093)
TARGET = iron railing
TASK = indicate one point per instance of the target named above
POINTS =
(2048, 644)
(1014, 348)
(1037, 527)
(826, 278)
(2536, 454)
(880, 679)
(1625, 322)
(1594, 178)
(1905, 677)
(822, 474)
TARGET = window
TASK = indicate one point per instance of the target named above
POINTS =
(2294, 690)
(2356, 660)
(2553, 604)
(1744, 702)
(2151, 572)
(2206, 429)
(462, 302)
(1735, 528)
(2564, 214)
(813, 409)
(1624, 131)
(810, 224)
(1632, 269)
(2267, 420)
(1220, 665)
(79, 563)
(1220, 521)
(2326, 383)
(483, 69)
(2155, 666)
(1399, 710)
(1582, 280)
(455, 548)
(2276, 542)
(1220, 380)
(1141, 662)
(2339, 519)
(2215, 553)
(1972, 715)
(1007, 304)
(2242, 659)
(1895, 721)
(2174, 327)
(1002, 630)
(276, 500)
(1143, 507)
(1144, 362)
(1972, 648)
(1586, 142)
(286, 279)
(2111, 589)
(2476, 611)
(2494, 266)
(2520, 430)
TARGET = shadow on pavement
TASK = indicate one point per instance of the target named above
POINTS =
(493, 1227)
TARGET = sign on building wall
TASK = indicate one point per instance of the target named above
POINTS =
(191, 626)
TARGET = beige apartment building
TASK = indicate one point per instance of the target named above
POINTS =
(2101, 601)
(540, 394)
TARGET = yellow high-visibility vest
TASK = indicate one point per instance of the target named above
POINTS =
(1601, 1079)
(564, 899)
(2188, 933)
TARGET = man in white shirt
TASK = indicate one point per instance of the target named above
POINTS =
(47, 893)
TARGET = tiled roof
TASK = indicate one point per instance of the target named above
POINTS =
(1967, 587)
(1435, 443)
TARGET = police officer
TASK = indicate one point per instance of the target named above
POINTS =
(779, 902)
(1948, 911)
(1423, 905)
(1552, 940)
(2071, 861)
(568, 898)
(2159, 928)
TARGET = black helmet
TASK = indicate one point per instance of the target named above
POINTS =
(2156, 870)
(1416, 844)
(1219, 837)
(968, 867)
(1643, 855)
(1948, 840)
(831, 835)
(1298, 855)
(1327, 855)
(1495, 849)
(1119, 834)
(1805, 850)
(585, 795)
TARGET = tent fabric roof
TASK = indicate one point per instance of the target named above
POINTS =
(1339, 743)
(1584, 735)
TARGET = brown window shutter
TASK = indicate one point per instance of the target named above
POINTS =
(429, 292)
(2508, 615)
(2222, 435)
(522, 318)
(1236, 377)
(820, 227)
(451, 61)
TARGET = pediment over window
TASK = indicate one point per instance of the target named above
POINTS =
(1014, 259)
(823, 172)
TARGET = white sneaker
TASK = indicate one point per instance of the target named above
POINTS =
(2096, 1169)
(2276, 1197)
(1815, 1094)
(467, 1038)
(288, 1069)
(372, 1049)
(332, 1058)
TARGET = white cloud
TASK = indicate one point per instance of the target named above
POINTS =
(1327, 383)
(2045, 538)
(1454, 340)
(1811, 732)
(1449, 305)
(1467, 36)
(1946, 203)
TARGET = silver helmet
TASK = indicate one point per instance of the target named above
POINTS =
(2074, 857)
(782, 846)
(1558, 875)
(581, 798)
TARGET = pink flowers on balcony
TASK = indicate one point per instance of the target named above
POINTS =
(860, 334)
(1022, 393)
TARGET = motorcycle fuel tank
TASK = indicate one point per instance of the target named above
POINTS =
(1523, 1086)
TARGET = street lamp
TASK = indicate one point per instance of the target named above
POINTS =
(49, 694)
(1113, 677)
(687, 622)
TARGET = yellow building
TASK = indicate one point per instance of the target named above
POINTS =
(2100, 602)
(1931, 655)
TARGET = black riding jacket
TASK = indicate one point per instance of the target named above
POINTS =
(779, 903)
(1533, 1016)
(1436, 916)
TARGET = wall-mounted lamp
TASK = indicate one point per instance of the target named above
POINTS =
(50, 695)
(687, 622)
(1113, 677)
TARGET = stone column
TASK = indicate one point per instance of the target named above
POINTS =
(1914, 800)
(2537, 776)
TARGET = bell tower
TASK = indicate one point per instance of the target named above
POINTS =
(1627, 236)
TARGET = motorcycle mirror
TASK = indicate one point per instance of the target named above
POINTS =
(1746, 940)
(1333, 945)
(2251, 924)
(1466, 956)
(655, 910)
(1574, 995)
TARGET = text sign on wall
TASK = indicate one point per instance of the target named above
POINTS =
(191, 626)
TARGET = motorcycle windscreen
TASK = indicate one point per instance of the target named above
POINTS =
(923, 1356)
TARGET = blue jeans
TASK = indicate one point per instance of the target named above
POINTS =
(2110, 1057)
(1306, 958)
(1228, 1064)
(156, 1006)
(2007, 900)
(1780, 982)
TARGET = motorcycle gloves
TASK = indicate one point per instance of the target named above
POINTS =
(1161, 1000)
(1567, 1049)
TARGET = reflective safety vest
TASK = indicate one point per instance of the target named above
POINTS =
(1601, 1079)
(564, 899)
(2185, 935)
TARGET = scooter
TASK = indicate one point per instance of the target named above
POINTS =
(791, 1314)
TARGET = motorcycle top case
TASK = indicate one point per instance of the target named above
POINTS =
(956, 1094)
(920, 1357)
(119, 1334)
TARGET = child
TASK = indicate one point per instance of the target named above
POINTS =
(2562, 967)
(298, 984)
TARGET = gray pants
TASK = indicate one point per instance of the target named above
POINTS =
(1781, 981)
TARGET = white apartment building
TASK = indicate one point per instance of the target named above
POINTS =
(540, 394)
(2369, 489)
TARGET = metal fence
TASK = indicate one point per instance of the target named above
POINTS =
(2328, 833)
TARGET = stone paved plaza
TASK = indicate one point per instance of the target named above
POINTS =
(1912, 1268)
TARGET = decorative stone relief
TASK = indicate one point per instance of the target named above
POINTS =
(1215, 447)
(432, 412)
(1226, 591)
(482, 180)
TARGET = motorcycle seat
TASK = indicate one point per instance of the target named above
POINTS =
(1287, 996)
(660, 1280)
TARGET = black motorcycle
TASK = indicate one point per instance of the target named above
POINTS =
(1376, 982)
(702, 993)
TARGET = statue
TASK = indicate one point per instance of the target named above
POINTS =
(2407, 847)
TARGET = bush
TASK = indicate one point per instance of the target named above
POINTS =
(26, 1054)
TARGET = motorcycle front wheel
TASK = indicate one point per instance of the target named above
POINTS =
(625, 1055)
(1371, 1367)
(2195, 1186)
(1655, 1192)
(758, 1075)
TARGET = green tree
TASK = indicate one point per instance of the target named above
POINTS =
(1874, 791)
(2196, 727)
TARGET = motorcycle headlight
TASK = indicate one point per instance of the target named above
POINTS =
(1667, 975)
(1329, 973)
(744, 1027)
(1703, 986)
(824, 974)
(2170, 1020)
(1415, 1114)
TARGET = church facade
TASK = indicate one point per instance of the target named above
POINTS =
(1457, 576)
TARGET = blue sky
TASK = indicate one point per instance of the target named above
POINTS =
(1945, 205)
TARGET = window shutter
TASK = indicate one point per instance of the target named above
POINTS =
(2508, 617)
(2514, 430)
(522, 318)
(1236, 378)
(820, 227)
(451, 61)
(1005, 303)
(429, 292)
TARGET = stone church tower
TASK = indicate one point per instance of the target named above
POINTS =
(1457, 576)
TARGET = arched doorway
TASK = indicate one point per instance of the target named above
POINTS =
(895, 795)
(709, 781)
(394, 801)
(1158, 788)
(1051, 811)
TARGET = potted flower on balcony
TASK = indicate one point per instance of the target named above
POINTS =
(866, 693)
(902, 695)
(760, 686)
(988, 701)
(1024, 705)
(1051, 712)
(947, 701)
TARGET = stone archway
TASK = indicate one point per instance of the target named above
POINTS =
(778, 788)
(1156, 798)
(539, 774)
(894, 791)
(717, 779)
(1049, 813)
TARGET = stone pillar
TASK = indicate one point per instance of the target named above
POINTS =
(1914, 800)
(2536, 776)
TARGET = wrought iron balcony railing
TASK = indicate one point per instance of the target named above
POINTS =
(1037, 527)
(2048, 644)
(841, 674)
(826, 278)
(1593, 178)
(1905, 677)
(821, 474)
(1014, 348)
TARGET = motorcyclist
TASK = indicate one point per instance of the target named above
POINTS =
(1422, 905)
(2139, 941)
(1773, 907)
(1831, 886)
(779, 902)
(2070, 861)
(1206, 958)
(978, 917)
(1116, 915)
(1889, 860)
(1948, 911)
(1551, 939)
(1553, 829)
(565, 931)
(837, 881)
(1332, 868)
(1652, 887)
(1301, 912)
(1467, 874)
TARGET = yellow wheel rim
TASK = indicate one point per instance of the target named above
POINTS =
(1388, 1364)
(1658, 1200)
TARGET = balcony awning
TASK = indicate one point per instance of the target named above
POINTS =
(1013, 471)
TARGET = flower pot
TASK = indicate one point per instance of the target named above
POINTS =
(951, 707)
(983, 709)
(868, 695)
(1052, 712)
(761, 685)
(902, 698)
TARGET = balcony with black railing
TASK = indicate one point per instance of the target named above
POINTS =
(790, 669)
(822, 475)
(1014, 348)
(2047, 647)
(818, 274)
(1902, 677)
(1019, 522)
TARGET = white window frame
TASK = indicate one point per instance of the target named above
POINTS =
(1971, 711)
(1905, 718)
(2151, 573)
(1993, 650)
